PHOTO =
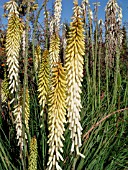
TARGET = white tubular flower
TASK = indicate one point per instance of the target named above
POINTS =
(113, 30)
(51, 26)
(90, 14)
(64, 37)
(11, 6)
(84, 2)
(18, 118)
(100, 22)
(121, 37)
(113, 7)
(120, 16)
(57, 14)
(74, 67)
(18, 121)
(46, 16)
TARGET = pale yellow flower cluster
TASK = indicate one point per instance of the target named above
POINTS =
(74, 67)
(43, 84)
(37, 58)
(56, 116)
(54, 49)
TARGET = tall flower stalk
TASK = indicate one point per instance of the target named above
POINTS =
(27, 109)
(43, 76)
(89, 53)
(47, 24)
(113, 22)
(25, 83)
(87, 15)
(56, 116)
(13, 40)
(74, 68)
(95, 56)
(113, 43)
(54, 33)
(100, 23)
(37, 58)
(57, 14)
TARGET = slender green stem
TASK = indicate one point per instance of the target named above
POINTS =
(87, 65)
(0, 97)
(99, 69)
(46, 24)
(33, 40)
(25, 82)
(43, 129)
(94, 67)
(91, 58)
(125, 100)
(107, 74)
(117, 77)
(74, 163)
(93, 79)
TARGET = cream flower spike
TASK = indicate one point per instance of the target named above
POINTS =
(18, 118)
(74, 68)
(18, 123)
(51, 28)
(113, 30)
(57, 14)
(11, 6)
(13, 40)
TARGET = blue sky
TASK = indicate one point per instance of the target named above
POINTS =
(68, 4)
